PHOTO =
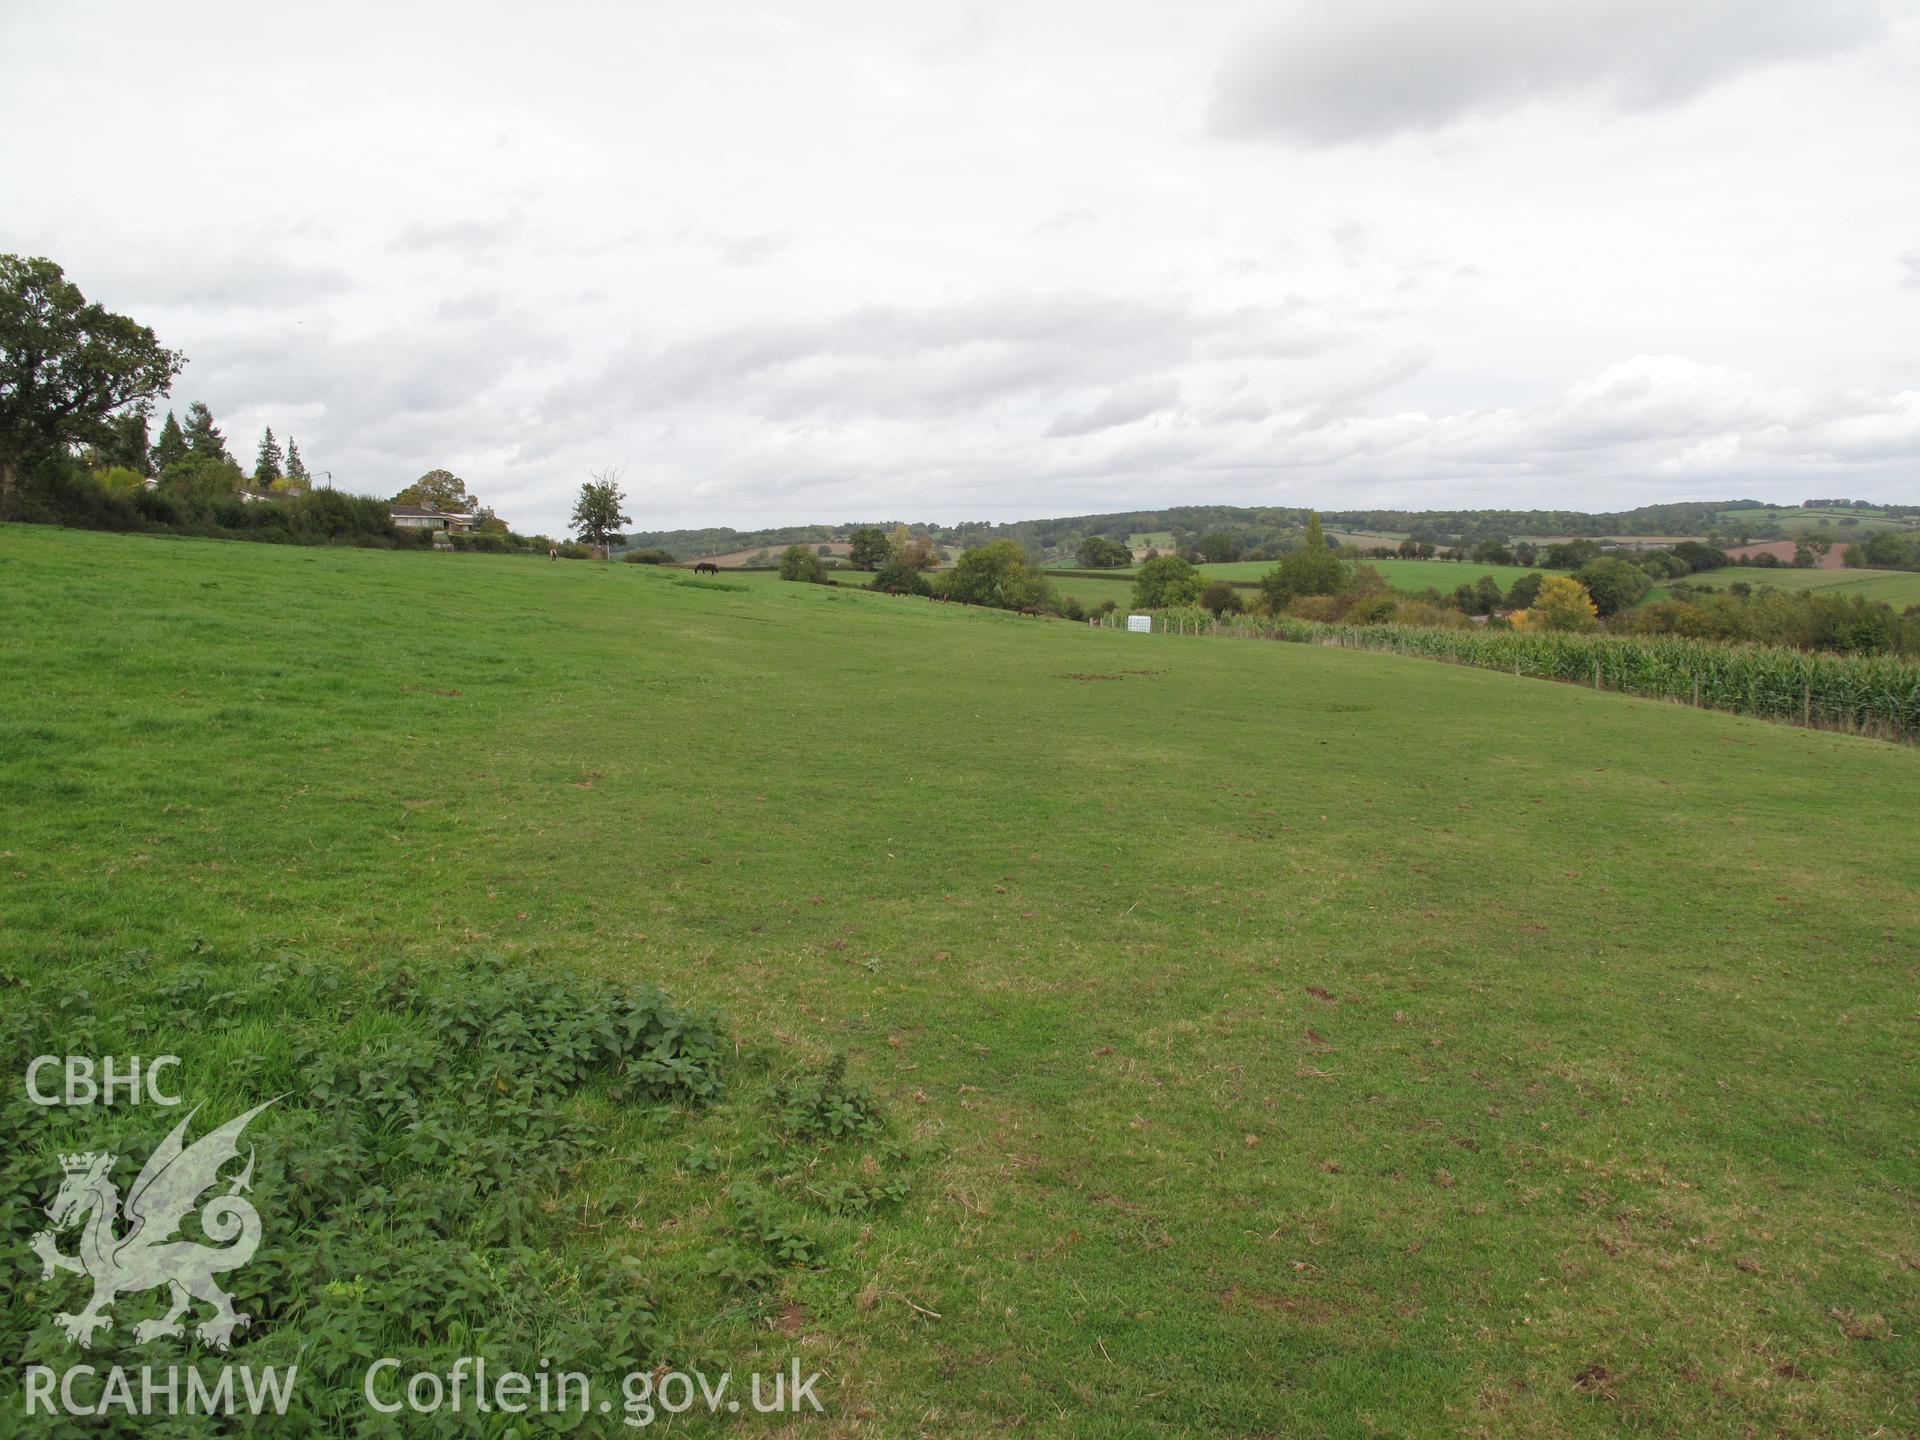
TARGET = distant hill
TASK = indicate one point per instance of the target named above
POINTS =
(1187, 526)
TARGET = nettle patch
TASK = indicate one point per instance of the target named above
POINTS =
(462, 1160)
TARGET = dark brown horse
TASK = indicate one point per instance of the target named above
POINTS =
(706, 567)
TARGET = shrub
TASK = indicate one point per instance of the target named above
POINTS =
(1482, 597)
(1222, 598)
(1699, 557)
(1167, 583)
(1570, 554)
(1311, 570)
(202, 478)
(1525, 590)
(800, 563)
(1374, 609)
(1001, 575)
(901, 575)
(1614, 584)
(119, 480)
(1097, 552)
(157, 507)
(338, 515)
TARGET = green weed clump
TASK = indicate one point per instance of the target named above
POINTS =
(824, 1103)
(432, 1126)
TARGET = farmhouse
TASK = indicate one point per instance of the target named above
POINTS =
(428, 517)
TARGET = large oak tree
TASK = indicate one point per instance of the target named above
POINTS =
(66, 366)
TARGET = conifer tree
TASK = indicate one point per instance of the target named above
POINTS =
(267, 464)
(203, 436)
(171, 446)
(296, 467)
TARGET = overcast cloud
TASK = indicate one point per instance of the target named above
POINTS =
(993, 260)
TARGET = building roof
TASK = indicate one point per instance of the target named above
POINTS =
(426, 511)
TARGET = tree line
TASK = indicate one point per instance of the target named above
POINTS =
(1599, 592)
(78, 385)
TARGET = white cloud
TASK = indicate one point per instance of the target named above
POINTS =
(942, 359)
(1121, 406)
(988, 259)
(1366, 69)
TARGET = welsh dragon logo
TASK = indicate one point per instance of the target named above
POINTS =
(150, 1254)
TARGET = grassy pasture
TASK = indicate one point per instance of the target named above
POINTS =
(1298, 1041)
(1445, 575)
(1898, 588)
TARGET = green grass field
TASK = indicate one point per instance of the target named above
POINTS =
(1898, 588)
(1281, 1040)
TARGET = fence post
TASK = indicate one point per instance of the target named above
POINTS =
(1596, 672)
(1696, 692)
(1806, 704)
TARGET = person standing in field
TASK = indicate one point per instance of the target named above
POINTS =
(553, 553)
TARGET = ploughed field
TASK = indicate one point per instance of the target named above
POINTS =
(1258, 1038)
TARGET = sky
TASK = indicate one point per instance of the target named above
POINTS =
(839, 261)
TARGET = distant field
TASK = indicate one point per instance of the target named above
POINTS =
(1365, 538)
(1786, 552)
(734, 558)
(1795, 520)
(1409, 575)
(1262, 1039)
(1444, 575)
(1899, 588)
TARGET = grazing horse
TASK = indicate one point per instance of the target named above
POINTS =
(706, 567)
